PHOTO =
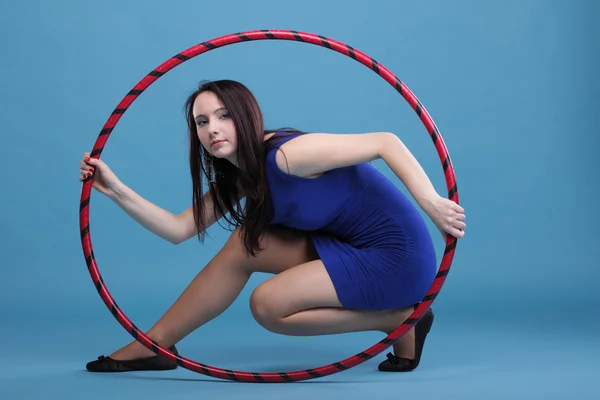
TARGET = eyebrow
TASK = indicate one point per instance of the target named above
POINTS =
(202, 115)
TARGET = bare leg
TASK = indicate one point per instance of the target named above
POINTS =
(215, 288)
(306, 298)
(302, 301)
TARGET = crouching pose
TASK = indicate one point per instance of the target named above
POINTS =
(348, 251)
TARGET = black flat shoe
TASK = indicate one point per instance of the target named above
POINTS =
(154, 363)
(398, 364)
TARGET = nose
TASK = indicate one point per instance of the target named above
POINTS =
(212, 127)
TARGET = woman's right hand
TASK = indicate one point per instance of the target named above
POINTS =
(105, 181)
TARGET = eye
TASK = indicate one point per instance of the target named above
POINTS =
(200, 122)
(225, 115)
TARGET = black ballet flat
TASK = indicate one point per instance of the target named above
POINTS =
(398, 364)
(154, 363)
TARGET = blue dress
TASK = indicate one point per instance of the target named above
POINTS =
(372, 240)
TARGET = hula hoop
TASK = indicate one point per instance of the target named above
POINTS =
(272, 377)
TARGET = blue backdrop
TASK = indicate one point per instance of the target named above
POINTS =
(511, 85)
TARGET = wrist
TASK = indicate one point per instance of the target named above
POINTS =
(118, 192)
(427, 201)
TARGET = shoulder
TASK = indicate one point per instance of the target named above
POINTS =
(277, 147)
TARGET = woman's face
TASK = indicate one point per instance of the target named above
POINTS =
(214, 127)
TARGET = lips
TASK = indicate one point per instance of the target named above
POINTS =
(217, 142)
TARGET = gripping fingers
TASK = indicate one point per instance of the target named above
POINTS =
(85, 170)
(85, 175)
(458, 228)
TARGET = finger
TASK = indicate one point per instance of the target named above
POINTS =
(457, 233)
(458, 208)
(92, 161)
(460, 225)
(83, 177)
(460, 217)
(86, 168)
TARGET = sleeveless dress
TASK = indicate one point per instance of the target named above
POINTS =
(373, 242)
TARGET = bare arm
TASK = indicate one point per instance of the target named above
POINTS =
(318, 152)
(175, 228)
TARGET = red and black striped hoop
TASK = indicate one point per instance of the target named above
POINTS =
(273, 376)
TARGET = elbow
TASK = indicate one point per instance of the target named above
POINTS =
(175, 239)
(390, 141)
(179, 238)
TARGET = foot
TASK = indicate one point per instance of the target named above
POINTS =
(407, 354)
(139, 362)
(133, 351)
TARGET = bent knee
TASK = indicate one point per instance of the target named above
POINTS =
(265, 308)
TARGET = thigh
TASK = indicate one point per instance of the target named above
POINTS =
(302, 287)
(282, 248)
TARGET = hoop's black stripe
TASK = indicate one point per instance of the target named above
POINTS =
(452, 191)
(179, 361)
(106, 131)
(84, 204)
(258, 377)
(156, 73)
(313, 373)
(418, 109)
(399, 85)
(434, 135)
(155, 346)
(451, 247)
(340, 366)
(209, 45)
(268, 34)
(446, 163)
(242, 36)
(442, 273)
(375, 65)
(134, 332)
(88, 261)
(351, 51)
(231, 375)
(119, 111)
(181, 57)
(364, 355)
(386, 341)
(286, 377)
(135, 92)
(325, 41)
(85, 231)
(297, 36)
(430, 297)
(96, 152)
(113, 310)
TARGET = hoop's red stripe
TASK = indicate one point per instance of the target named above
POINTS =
(201, 48)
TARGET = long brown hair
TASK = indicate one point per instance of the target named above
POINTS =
(224, 177)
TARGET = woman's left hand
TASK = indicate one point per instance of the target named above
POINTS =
(448, 216)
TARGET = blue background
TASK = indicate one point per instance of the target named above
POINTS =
(512, 86)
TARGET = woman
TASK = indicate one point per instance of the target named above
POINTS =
(348, 250)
